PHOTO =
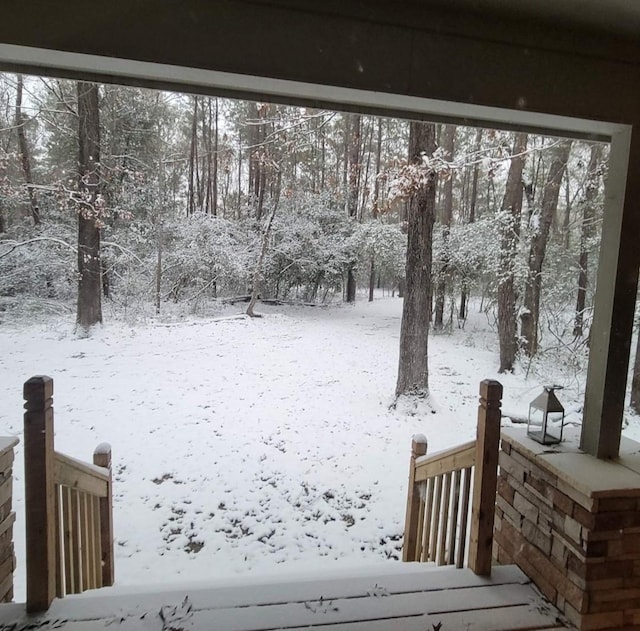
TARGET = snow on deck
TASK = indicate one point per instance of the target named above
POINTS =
(398, 597)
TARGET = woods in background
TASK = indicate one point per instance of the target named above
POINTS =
(142, 198)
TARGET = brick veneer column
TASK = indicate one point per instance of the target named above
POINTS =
(576, 539)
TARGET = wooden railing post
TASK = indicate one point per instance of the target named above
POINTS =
(486, 477)
(40, 517)
(102, 458)
(410, 544)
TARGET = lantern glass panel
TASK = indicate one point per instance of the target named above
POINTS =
(535, 428)
(554, 427)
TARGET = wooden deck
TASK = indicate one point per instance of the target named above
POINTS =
(393, 597)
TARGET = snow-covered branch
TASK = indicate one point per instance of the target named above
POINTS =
(12, 245)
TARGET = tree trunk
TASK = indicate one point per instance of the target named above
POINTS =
(462, 315)
(25, 154)
(363, 180)
(586, 234)
(635, 381)
(533, 287)
(257, 275)
(193, 160)
(239, 207)
(253, 142)
(353, 172)
(351, 284)
(413, 373)
(90, 213)
(214, 183)
(512, 208)
(158, 278)
(207, 130)
(448, 144)
(262, 184)
(566, 221)
(372, 278)
(375, 209)
(260, 158)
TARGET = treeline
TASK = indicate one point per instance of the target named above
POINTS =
(143, 198)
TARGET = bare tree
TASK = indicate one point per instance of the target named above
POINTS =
(542, 219)
(635, 381)
(352, 155)
(512, 208)
(264, 245)
(413, 372)
(259, 153)
(25, 154)
(193, 161)
(586, 234)
(90, 212)
(448, 144)
(375, 206)
(473, 199)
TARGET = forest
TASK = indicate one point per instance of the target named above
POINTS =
(134, 203)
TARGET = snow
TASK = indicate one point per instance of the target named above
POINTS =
(394, 595)
(249, 445)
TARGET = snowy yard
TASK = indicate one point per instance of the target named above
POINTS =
(240, 444)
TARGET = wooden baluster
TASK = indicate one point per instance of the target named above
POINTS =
(84, 542)
(88, 577)
(58, 534)
(410, 543)
(422, 487)
(67, 540)
(464, 517)
(76, 557)
(426, 539)
(446, 499)
(40, 511)
(95, 538)
(437, 514)
(102, 458)
(453, 522)
(90, 551)
(486, 477)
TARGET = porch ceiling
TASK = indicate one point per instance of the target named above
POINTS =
(618, 17)
(471, 53)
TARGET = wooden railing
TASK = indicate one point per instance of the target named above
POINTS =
(445, 485)
(68, 509)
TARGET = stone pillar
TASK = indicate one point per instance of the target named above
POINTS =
(571, 522)
(7, 517)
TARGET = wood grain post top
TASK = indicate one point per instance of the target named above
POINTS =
(491, 390)
(38, 387)
(418, 445)
(102, 455)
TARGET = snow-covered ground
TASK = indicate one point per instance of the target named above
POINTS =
(240, 444)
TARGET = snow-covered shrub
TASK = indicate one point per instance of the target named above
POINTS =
(204, 256)
(313, 241)
(39, 263)
(386, 245)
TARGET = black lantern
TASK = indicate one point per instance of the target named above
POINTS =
(546, 417)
